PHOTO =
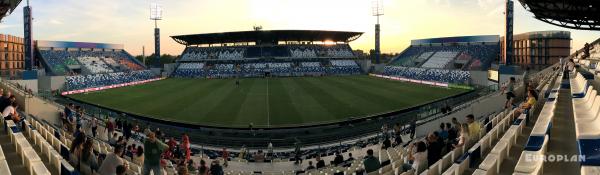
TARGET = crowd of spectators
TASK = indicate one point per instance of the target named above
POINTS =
(481, 55)
(58, 61)
(78, 82)
(437, 75)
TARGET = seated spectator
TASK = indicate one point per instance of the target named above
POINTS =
(418, 155)
(203, 169)
(527, 105)
(310, 166)
(120, 170)
(434, 148)
(474, 126)
(387, 143)
(88, 158)
(464, 137)
(371, 162)
(138, 158)
(339, 159)
(350, 158)
(10, 113)
(443, 131)
(112, 160)
(320, 162)
(259, 156)
(215, 168)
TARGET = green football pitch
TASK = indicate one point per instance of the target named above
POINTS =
(266, 102)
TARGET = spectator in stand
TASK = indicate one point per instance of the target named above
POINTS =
(527, 105)
(112, 160)
(153, 149)
(509, 90)
(76, 149)
(138, 158)
(464, 137)
(413, 128)
(112, 141)
(397, 134)
(270, 151)
(443, 131)
(120, 170)
(185, 144)
(350, 158)
(191, 166)
(7, 102)
(526, 79)
(570, 67)
(259, 156)
(94, 125)
(434, 148)
(225, 154)
(339, 159)
(387, 143)
(88, 158)
(182, 168)
(215, 168)
(170, 153)
(310, 166)
(10, 113)
(203, 169)
(298, 153)
(110, 127)
(474, 126)
(418, 155)
(371, 162)
(320, 162)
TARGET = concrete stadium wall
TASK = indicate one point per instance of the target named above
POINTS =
(44, 110)
(480, 109)
(479, 78)
(28, 84)
(50, 83)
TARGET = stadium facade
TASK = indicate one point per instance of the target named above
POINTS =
(11, 53)
(540, 48)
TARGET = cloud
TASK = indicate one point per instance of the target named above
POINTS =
(8, 26)
(55, 22)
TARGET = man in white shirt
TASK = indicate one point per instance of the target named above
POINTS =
(112, 160)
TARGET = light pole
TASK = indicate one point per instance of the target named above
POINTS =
(377, 10)
(156, 15)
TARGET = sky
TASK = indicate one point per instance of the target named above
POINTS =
(127, 21)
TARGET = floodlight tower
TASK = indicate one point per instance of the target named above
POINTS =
(377, 12)
(508, 35)
(156, 15)
(28, 37)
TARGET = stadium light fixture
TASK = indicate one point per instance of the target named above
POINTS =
(377, 9)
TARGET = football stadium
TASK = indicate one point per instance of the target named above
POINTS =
(520, 99)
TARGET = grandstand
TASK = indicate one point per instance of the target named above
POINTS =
(68, 58)
(289, 53)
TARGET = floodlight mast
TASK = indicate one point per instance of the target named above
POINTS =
(377, 12)
(156, 15)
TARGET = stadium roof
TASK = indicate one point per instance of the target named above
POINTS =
(267, 36)
(574, 14)
(7, 7)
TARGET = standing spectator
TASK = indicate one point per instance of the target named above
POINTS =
(310, 166)
(509, 90)
(298, 153)
(413, 128)
(112, 160)
(569, 67)
(434, 148)
(526, 79)
(474, 126)
(387, 143)
(371, 162)
(94, 124)
(153, 149)
(418, 156)
(112, 141)
(8, 101)
(270, 151)
(185, 143)
(225, 154)
(110, 127)
(215, 168)
(320, 162)
(452, 133)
